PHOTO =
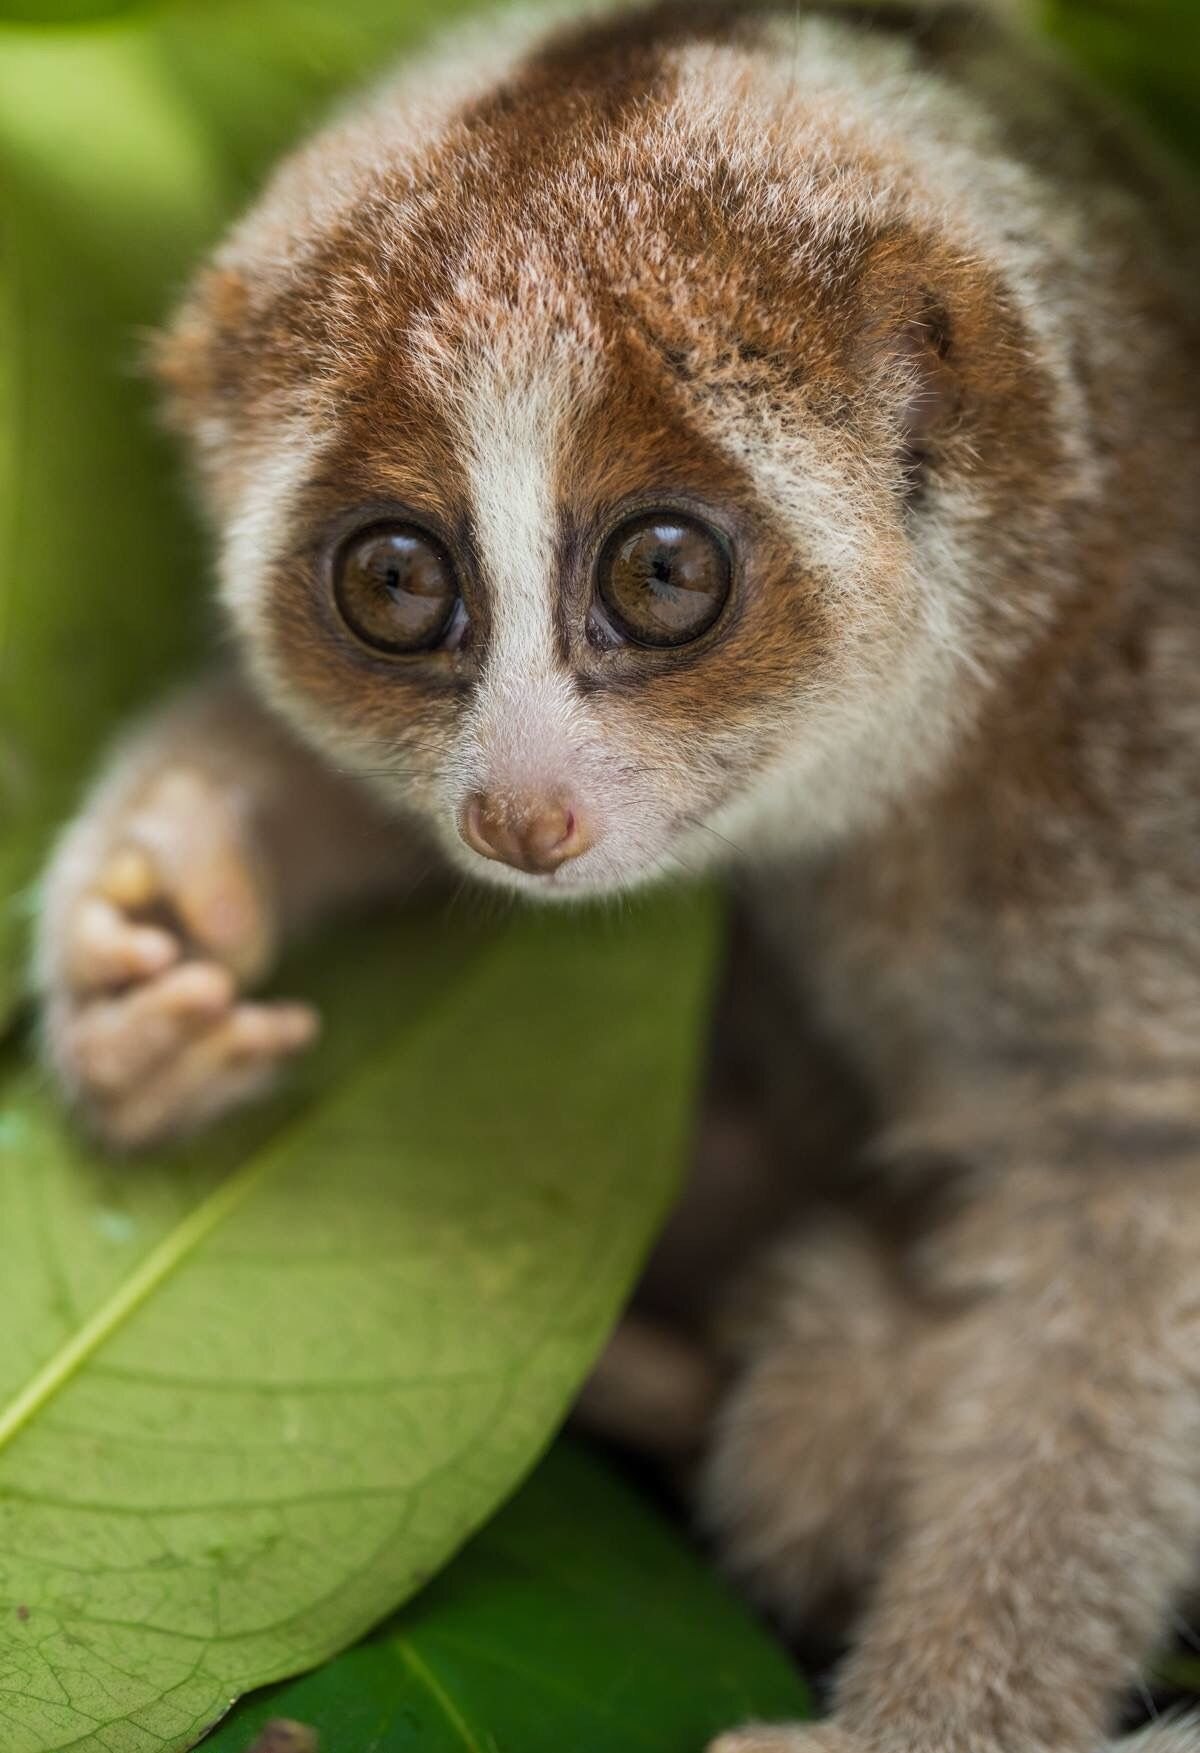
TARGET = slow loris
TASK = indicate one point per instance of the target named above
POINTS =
(762, 437)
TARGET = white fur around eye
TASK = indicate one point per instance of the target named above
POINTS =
(260, 528)
(260, 525)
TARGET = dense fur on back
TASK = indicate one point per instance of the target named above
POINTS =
(886, 300)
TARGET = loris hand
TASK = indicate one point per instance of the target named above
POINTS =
(157, 916)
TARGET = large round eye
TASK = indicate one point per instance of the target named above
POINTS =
(394, 586)
(663, 578)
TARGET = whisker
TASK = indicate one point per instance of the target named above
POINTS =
(706, 828)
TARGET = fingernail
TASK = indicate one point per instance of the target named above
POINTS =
(129, 879)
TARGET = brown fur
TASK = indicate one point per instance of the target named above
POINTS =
(884, 296)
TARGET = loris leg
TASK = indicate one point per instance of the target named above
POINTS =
(211, 837)
(1050, 1511)
(803, 1476)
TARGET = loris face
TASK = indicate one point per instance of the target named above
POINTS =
(586, 445)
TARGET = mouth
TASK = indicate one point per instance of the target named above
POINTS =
(564, 880)
(548, 886)
(567, 885)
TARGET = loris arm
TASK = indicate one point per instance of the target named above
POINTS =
(212, 837)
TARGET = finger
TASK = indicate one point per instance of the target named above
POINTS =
(231, 1062)
(116, 1042)
(189, 831)
(276, 1029)
(104, 948)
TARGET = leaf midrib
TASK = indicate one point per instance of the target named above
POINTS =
(182, 1241)
(425, 1676)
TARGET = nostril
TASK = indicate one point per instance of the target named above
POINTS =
(472, 826)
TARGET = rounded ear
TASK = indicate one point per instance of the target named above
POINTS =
(190, 358)
(201, 362)
(929, 387)
(906, 351)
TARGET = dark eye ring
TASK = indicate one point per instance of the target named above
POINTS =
(664, 578)
(395, 587)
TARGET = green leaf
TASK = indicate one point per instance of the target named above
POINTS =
(250, 1400)
(577, 1619)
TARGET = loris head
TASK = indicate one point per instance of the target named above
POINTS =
(593, 430)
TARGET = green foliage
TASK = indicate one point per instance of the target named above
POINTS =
(1146, 50)
(574, 1620)
(251, 1399)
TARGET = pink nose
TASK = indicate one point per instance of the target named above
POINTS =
(534, 836)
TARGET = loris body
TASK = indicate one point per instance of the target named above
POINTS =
(759, 438)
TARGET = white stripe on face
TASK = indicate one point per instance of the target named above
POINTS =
(526, 727)
(512, 441)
